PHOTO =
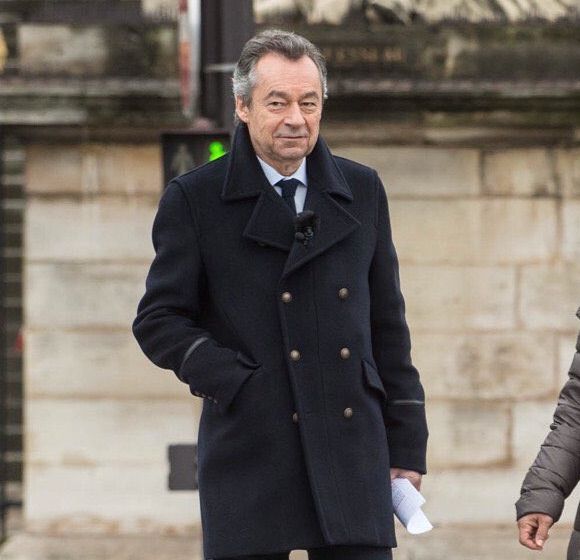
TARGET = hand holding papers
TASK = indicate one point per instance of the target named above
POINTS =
(407, 502)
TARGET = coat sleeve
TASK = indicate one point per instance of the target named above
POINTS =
(556, 469)
(405, 405)
(167, 322)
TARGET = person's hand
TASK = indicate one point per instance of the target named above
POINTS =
(534, 529)
(413, 477)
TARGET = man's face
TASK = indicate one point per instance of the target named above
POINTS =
(284, 116)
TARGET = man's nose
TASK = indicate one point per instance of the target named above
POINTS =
(294, 116)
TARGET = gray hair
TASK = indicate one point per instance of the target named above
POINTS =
(288, 44)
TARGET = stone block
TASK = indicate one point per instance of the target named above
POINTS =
(549, 297)
(521, 172)
(468, 434)
(513, 365)
(123, 168)
(53, 169)
(89, 229)
(568, 168)
(95, 364)
(106, 499)
(531, 425)
(101, 295)
(420, 171)
(434, 231)
(93, 169)
(62, 49)
(444, 298)
(475, 232)
(478, 497)
(571, 230)
(88, 433)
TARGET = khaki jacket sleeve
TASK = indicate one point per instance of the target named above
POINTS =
(556, 470)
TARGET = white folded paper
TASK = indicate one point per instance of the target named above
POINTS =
(407, 502)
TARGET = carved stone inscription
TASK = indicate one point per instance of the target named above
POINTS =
(452, 52)
(353, 55)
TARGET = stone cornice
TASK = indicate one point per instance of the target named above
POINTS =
(124, 107)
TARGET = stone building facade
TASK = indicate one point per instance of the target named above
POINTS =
(483, 178)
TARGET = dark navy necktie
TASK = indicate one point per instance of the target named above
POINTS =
(288, 187)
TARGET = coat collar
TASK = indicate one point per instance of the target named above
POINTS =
(271, 222)
(245, 178)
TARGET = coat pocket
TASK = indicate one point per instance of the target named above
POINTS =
(241, 357)
(372, 378)
(255, 370)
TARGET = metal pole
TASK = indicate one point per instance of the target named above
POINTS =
(194, 13)
(226, 26)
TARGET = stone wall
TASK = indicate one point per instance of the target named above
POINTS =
(98, 416)
(489, 244)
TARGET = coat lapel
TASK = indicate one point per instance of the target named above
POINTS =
(271, 222)
(335, 223)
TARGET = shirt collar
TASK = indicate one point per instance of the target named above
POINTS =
(273, 176)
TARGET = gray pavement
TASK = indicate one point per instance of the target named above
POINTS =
(450, 543)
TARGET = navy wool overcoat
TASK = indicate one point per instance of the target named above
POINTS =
(300, 352)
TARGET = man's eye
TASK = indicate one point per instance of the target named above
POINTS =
(275, 104)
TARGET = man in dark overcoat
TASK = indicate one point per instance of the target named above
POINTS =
(274, 294)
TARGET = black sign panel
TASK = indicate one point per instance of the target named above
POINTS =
(182, 467)
(185, 150)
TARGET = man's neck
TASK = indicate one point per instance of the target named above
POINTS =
(284, 168)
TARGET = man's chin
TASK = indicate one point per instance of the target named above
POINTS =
(295, 149)
(292, 155)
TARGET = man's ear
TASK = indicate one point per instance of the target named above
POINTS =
(241, 109)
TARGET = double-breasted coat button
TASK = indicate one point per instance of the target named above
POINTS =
(343, 293)
(348, 412)
(295, 355)
(295, 418)
(286, 297)
(344, 353)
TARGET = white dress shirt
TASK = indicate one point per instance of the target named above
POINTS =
(273, 177)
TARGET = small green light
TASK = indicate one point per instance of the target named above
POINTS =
(216, 150)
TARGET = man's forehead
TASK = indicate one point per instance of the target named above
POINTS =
(278, 73)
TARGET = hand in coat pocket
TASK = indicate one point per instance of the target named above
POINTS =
(256, 368)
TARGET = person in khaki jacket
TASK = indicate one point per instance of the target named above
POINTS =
(556, 470)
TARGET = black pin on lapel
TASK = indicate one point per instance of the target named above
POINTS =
(305, 225)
